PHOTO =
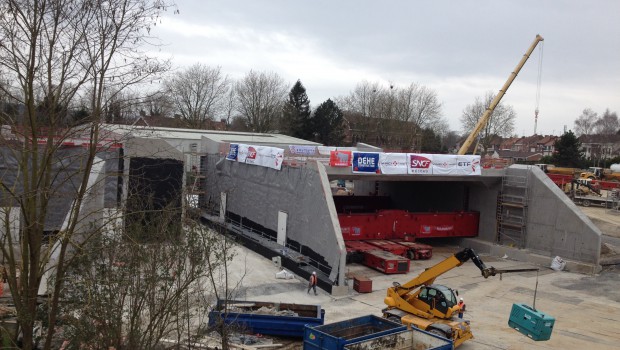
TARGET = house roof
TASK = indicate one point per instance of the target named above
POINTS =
(519, 155)
(509, 142)
(599, 138)
(546, 140)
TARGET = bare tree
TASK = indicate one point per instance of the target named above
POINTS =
(362, 105)
(363, 99)
(229, 107)
(56, 50)
(158, 104)
(395, 113)
(607, 124)
(129, 294)
(501, 122)
(259, 99)
(584, 125)
(420, 106)
(199, 93)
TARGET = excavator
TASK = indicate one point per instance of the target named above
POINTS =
(422, 304)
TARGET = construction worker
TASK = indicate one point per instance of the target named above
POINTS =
(461, 306)
(312, 282)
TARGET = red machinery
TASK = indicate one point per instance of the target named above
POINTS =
(416, 251)
(606, 185)
(386, 262)
(358, 246)
(561, 179)
(387, 224)
(389, 246)
(381, 240)
(356, 249)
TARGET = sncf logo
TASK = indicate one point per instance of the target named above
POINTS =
(251, 153)
(420, 162)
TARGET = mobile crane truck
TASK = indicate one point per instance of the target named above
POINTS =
(420, 303)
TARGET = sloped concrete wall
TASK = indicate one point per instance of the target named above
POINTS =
(555, 225)
(258, 194)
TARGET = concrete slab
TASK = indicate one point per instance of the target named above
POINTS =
(526, 255)
(586, 308)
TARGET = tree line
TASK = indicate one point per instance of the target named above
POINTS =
(589, 122)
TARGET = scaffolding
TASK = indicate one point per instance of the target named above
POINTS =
(613, 201)
(195, 179)
(512, 210)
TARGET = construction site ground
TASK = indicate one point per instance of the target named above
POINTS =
(586, 307)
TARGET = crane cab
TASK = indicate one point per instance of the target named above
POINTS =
(438, 297)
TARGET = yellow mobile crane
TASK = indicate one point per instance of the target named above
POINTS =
(422, 304)
(487, 114)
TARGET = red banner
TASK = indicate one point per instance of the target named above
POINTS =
(340, 158)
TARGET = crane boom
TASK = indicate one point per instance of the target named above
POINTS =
(487, 114)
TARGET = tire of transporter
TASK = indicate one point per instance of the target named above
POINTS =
(585, 203)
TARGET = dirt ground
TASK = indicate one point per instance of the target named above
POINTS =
(586, 308)
(607, 220)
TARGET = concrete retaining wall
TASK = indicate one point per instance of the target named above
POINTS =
(257, 193)
(555, 225)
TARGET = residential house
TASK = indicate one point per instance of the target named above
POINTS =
(600, 146)
(513, 157)
(508, 143)
(546, 145)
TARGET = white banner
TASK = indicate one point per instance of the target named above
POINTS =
(302, 150)
(419, 163)
(393, 163)
(270, 157)
(444, 164)
(468, 165)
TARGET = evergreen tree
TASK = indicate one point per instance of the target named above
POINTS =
(431, 142)
(568, 151)
(296, 115)
(327, 124)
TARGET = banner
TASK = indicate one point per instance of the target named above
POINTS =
(242, 152)
(327, 150)
(365, 162)
(340, 158)
(393, 163)
(444, 164)
(270, 157)
(233, 151)
(302, 150)
(419, 164)
(468, 165)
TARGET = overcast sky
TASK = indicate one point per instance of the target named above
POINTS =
(461, 49)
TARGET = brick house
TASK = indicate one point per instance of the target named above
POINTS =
(600, 146)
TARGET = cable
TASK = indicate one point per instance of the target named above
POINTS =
(538, 83)
(535, 290)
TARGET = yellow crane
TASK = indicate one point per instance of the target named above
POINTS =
(487, 114)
